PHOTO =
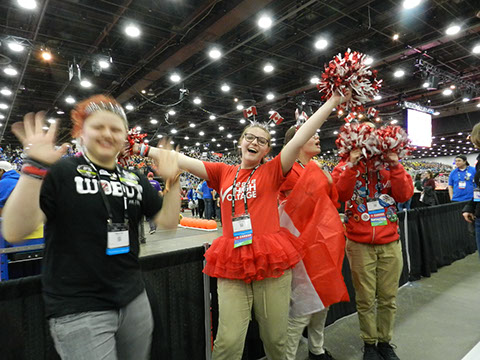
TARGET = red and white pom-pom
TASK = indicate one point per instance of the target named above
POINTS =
(351, 72)
(357, 136)
(394, 139)
(133, 137)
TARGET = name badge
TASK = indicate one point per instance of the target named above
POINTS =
(242, 231)
(476, 195)
(377, 213)
(118, 241)
(462, 184)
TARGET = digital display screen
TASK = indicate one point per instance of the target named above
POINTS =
(419, 128)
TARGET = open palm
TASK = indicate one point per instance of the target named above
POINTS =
(38, 144)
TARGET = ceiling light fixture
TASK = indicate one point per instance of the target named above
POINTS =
(314, 80)
(377, 97)
(201, 133)
(399, 73)
(197, 101)
(132, 30)
(212, 117)
(3, 106)
(476, 49)
(239, 107)
(225, 88)
(171, 112)
(175, 78)
(10, 71)
(215, 54)
(321, 44)
(104, 64)
(27, 4)
(85, 83)
(15, 46)
(265, 22)
(192, 125)
(70, 100)
(270, 96)
(268, 68)
(6, 92)
(453, 29)
(395, 37)
(153, 121)
(129, 107)
(410, 4)
(173, 131)
(46, 55)
(447, 92)
(368, 60)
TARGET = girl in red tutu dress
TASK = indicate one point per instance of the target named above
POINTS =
(253, 258)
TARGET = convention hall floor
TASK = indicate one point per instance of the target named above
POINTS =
(438, 317)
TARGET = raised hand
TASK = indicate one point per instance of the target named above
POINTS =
(338, 99)
(392, 158)
(38, 144)
(355, 156)
(167, 160)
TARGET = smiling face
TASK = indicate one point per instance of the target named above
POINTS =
(252, 151)
(103, 135)
(460, 163)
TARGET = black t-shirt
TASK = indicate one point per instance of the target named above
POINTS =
(78, 275)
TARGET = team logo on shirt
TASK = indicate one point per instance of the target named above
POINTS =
(239, 191)
(86, 185)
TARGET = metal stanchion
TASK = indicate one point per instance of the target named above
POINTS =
(207, 302)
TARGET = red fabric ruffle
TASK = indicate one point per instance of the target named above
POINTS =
(268, 256)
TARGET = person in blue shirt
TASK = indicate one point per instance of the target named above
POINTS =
(201, 204)
(460, 181)
(208, 200)
(192, 199)
(8, 180)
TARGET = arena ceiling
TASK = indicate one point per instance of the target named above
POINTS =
(176, 36)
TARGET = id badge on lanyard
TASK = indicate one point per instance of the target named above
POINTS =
(118, 241)
(242, 231)
(476, 195)
(377, 213)
(462, 185)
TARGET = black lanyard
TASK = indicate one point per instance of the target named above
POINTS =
(367, 183)
(300, 163)
(244, 190)
(104, 197)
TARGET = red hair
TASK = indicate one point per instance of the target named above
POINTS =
(80, 113)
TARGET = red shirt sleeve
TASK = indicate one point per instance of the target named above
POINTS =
(344, 178)
(215, 172)
(402, 183)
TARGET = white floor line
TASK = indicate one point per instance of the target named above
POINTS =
(473, 354)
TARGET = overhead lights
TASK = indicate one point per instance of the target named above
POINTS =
(229, 136)
(321, 44)
(225, 88)
(85, 83)
(460, 134)
(378, 119)
(466, 99)
(270, 96)
(453, 87)
(27, 4)
(314, 80)
(272, 132)
(410, 4)
(139, 128)
(70, 100)
(197, 144)
(132, 30)
(268, 68)
(129, 107)
(215, 54)
(377, 97)
(197, 101)
(453, 29)
(143, 91)
(173, 131)
(46, 55)
(153, 121)
(201, 133)
(104, 64)
(426, 84)
(393, 122)
(476, 49)
(51, 121)
(175, 78)
(171, 112)
(192, 125)
(159, 136)
(221, 128)
(239, 107)
(478, 105)
(15, 46)
(6, 92)
(335, 132)
(235, 99)
(242, 121)
(10, 71)
(368, 60)
(172, 142)
(265, 22)
(212, 117)
(399, 73)
(186, 138)
(436, 113)
(213, 139)
(447, 92)
(395, 37)
(45, 128)
(3, 106)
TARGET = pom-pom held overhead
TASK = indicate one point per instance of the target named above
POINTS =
(351, 72)
(134, 137)
(394, 139)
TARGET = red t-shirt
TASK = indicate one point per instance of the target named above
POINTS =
(292, 179)
(262, 193)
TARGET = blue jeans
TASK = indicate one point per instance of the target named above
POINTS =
(477, 234)
(405, 205)
(110, 335)
(208, 208)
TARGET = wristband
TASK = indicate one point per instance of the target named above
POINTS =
(33, 171)
(144, 150)
(36, 163)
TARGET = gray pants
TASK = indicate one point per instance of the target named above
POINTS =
(105, 335)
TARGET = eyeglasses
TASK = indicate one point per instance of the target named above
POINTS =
(260, 140)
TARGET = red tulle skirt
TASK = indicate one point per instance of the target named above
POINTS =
(268, 256)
